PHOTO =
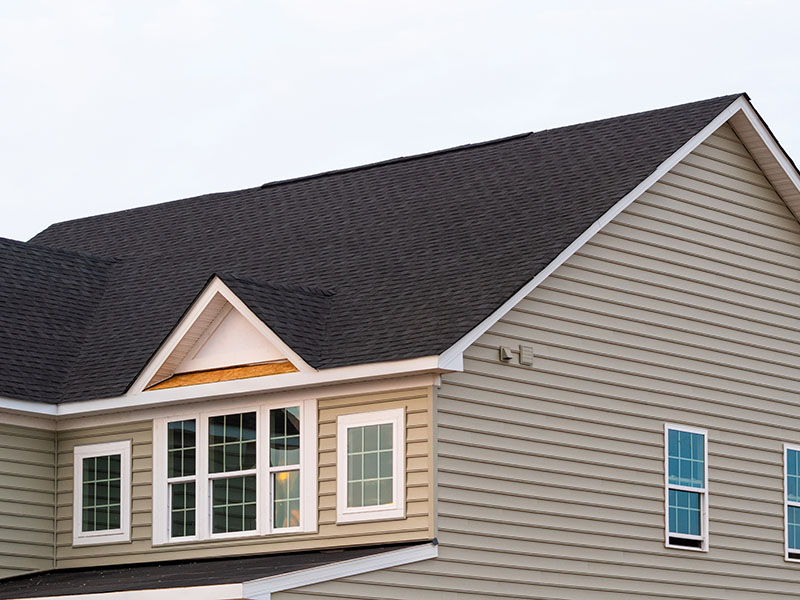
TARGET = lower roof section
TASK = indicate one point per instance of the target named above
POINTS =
(217, 578)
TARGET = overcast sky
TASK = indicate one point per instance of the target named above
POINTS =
(107, 105)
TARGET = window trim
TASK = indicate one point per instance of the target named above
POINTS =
(395, 510)
(110, 536)
(704, 492)
(308, 473)
(786, 550)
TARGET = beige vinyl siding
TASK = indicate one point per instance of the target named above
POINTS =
(418, 524)
(684, 309)
(27, 495)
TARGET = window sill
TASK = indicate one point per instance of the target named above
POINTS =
(114, 537)
(225, 537)
(373, 514)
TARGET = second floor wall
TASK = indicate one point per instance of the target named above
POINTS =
(331, 529)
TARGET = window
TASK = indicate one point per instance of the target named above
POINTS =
(235, 472)
(102, 494)
(181, 473)
(686, 476)
(371, 466)
(791, 491)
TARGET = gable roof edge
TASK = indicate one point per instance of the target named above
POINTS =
(452, 357)
(214, 287)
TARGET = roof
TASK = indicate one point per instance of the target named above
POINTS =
(391, 261)
(179, 574)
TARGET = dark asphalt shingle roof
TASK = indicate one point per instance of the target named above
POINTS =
(383, 262)
(177, 574)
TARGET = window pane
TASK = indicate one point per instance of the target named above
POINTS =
(286, 504)
(183, 509)
(686, 458)
(370, 465)
(182, 449)
(794, 527)
(233, 504)
(232, 443)
(793, 475)
(284, 439)
(684, 512)
(102, 484)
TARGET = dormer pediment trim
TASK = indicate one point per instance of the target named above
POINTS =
(218, 339)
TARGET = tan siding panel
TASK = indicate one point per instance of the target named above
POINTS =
(27, 486)
(416, 526)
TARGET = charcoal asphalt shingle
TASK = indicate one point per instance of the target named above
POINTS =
(377, 263)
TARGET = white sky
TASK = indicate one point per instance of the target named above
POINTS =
(107, 105)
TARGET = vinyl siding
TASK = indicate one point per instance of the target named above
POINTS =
(418, 524)
(27, 488)
(684, 309)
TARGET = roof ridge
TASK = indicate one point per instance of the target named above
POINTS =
(307, 289)
(402, 159)
(386, 162)
(397, 159)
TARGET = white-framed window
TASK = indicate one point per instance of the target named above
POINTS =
(686, 487)
(238, 471)
(102, 493)
(791, 502)
(370, 471)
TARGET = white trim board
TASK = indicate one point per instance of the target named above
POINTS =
(456, 351)
(284, 382)
(262, 589)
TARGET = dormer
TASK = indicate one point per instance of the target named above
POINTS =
(221, 338)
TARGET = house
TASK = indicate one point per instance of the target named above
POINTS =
(559, 365)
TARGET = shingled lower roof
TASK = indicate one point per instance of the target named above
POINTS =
(174, 575)
(418, 250)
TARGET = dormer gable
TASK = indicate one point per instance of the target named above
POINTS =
(220, 338)
(229, 341)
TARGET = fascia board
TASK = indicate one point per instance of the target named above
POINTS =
(232, 591)
(260, 589)
(457, 349)
(229, 389)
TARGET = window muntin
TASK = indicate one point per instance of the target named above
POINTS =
(254, 472)
(102, 487)
(101, 503)
(371, 466)
(791, 466)
(686, 494)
